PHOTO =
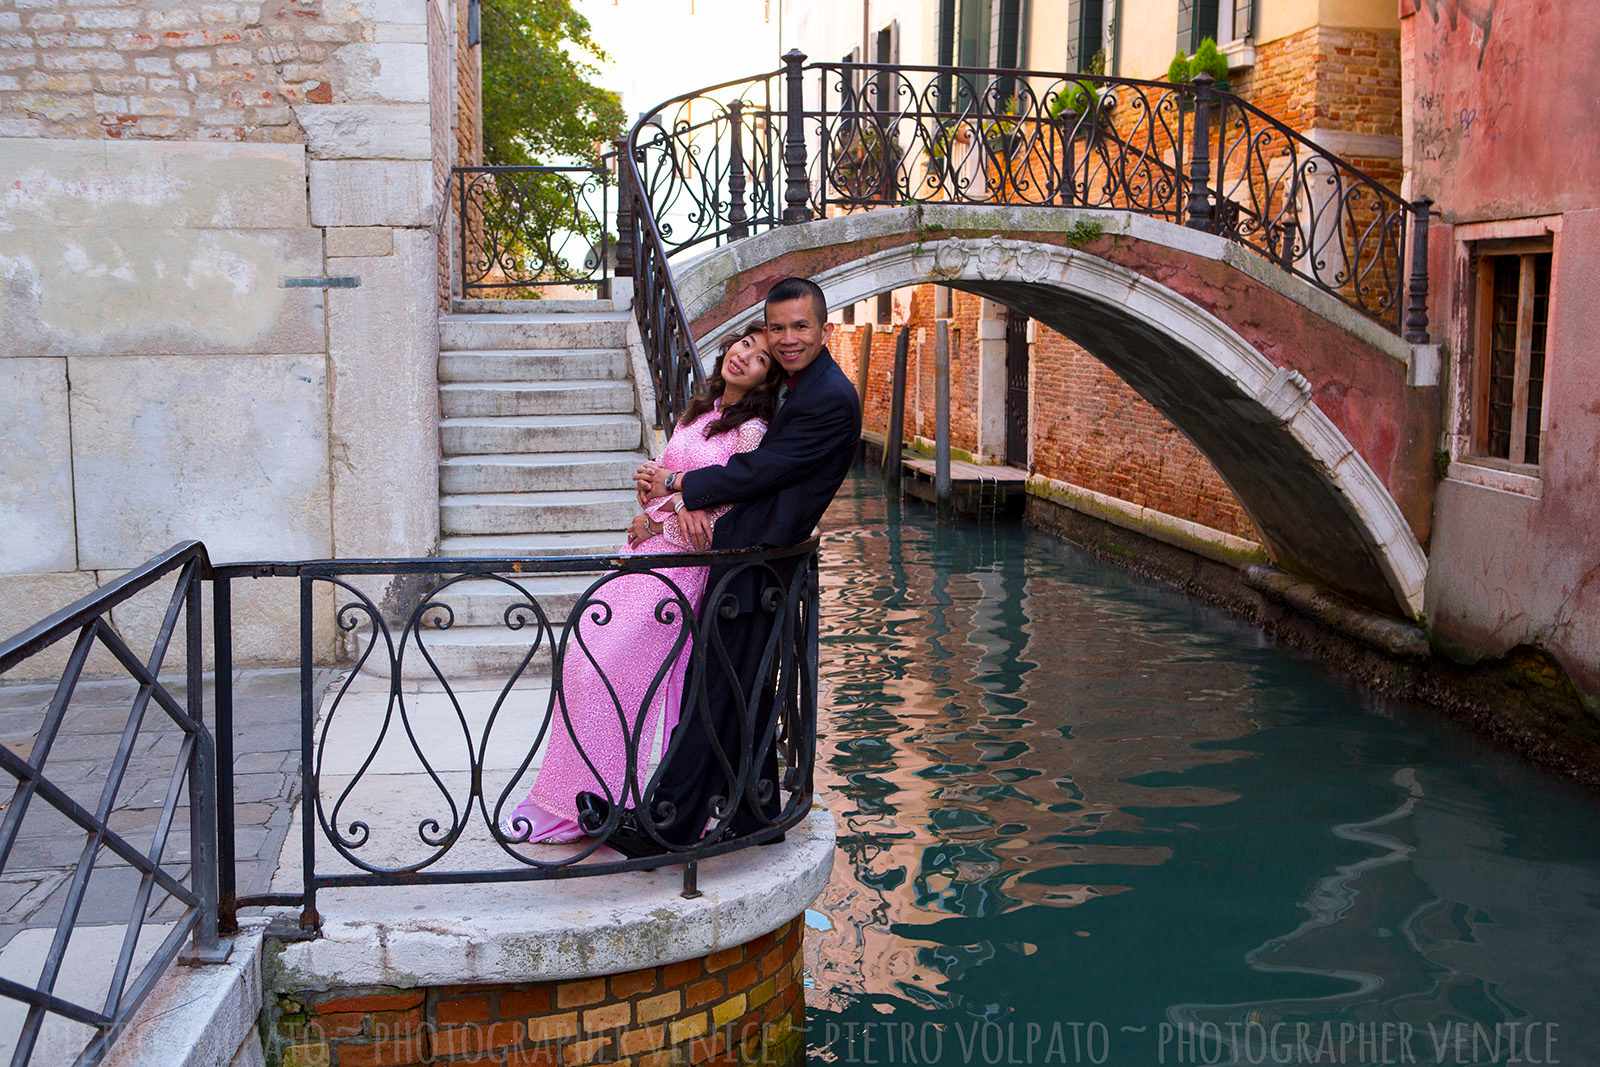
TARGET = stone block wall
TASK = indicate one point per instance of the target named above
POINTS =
(745, 1004)
(220, 274)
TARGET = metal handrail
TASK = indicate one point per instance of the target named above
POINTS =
(503, 244)
(194, 771)
(880, 134)
(780, 585)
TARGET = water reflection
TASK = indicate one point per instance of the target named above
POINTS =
(1066, 795)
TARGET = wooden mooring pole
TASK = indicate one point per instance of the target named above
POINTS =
(942, 489)
(864, 364)
(897, 410)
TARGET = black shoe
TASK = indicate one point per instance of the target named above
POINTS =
(780, 839)
(633, 842)
(593, 811)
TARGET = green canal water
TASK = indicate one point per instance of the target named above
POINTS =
(1085, 819)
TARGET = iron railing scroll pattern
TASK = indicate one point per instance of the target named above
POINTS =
(191, 793)
(350, 839)
(523, 228)
(814, 140)
(698, 170)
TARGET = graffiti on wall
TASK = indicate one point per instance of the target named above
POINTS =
(1476, 15)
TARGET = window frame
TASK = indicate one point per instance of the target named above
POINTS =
(1484, 255)
(1467, 463)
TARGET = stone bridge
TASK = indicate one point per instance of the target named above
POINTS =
(1322, 422)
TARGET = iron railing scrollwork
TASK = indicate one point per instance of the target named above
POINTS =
(474, 796)
(528, 227)
(473, 768)
(813, 140)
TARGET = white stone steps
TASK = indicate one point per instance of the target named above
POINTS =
(570, 543)
(542, 365)
(585, 397)
(472, 652)
(480, 435)
(533, 330)
(484, 601)
(538, 471)
(548, 512)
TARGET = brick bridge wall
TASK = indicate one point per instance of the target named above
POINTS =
(745, 1004)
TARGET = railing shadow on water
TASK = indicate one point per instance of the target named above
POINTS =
(497, 727)
(810, 141)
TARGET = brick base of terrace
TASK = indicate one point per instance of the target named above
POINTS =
(743, 1004)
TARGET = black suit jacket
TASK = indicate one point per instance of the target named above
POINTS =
(781, 488)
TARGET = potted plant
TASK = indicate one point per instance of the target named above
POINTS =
(1081, 96)
(863, 162)
(1207, 59)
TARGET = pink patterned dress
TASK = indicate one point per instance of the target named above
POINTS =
(630, 647)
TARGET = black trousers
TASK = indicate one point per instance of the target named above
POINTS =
(693, 777)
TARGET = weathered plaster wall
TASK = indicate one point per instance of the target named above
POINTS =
(173, 364)
(1500, 106)
(1499, 131)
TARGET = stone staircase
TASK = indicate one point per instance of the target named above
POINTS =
(540, 436)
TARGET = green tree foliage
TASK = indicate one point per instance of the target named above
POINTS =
(539, 104)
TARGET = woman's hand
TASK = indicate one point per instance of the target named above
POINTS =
(640, 530)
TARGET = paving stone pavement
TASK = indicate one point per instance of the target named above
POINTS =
(39, 868)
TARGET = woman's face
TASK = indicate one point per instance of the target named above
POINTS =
(747, 362)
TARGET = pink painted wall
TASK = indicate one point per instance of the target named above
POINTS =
(1501, 106)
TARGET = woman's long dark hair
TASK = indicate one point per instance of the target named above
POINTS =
(761, 402)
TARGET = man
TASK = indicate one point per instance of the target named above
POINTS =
(779, 492)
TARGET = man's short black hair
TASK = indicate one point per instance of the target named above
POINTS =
(797, 289)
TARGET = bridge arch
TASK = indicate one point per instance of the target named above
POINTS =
(1322, 422)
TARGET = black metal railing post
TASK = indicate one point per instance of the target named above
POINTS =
(1199, 210)
(1416, 327)
(796, 190)
(202, 784)
(627, 254)
(310, 920)
(738, 218)
(461, 226)
(222, 642)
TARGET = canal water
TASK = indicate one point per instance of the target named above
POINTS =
(1083, 818)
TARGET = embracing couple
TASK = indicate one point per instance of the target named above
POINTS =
(761, 450)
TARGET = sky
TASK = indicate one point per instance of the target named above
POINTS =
(660, 48)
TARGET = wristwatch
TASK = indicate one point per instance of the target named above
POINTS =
(672, 480)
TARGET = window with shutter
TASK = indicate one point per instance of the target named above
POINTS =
(1244, 20)
(1085, 26)
(1197, 20)
(947, 51)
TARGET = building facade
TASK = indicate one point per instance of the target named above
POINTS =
(1022, 394)
(222, 282)
(1508, 159)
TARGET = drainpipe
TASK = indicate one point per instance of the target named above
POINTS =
(1116, 38)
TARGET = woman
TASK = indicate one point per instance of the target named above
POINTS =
(728, 415)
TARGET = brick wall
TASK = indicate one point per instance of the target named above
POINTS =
(195, 71)
(1328, 77)
(744, 1004)
(1087, 426)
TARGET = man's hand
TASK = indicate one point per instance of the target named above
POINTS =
(696, 527)
(650, 482)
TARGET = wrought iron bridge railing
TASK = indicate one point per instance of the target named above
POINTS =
(519, 229)
(808, 141)
(397, 712)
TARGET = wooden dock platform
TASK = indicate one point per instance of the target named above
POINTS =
(975, 489)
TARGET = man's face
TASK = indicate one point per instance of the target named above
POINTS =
(795, 333)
